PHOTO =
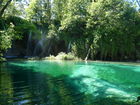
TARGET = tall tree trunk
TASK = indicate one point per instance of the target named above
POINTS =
(87, 54)
(3, 9)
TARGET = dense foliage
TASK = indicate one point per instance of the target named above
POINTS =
(90, 29)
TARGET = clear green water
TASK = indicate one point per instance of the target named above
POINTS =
(68, 83)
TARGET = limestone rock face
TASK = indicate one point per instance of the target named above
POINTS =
(18, 49)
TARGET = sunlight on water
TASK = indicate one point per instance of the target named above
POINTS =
(94, 80)
(95, 84)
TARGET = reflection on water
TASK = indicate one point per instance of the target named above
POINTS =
(68, 83)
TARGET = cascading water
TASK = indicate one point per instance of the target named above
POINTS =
(69, 47)
(29, 45)
(40, 46)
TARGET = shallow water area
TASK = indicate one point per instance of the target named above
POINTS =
(69, 83)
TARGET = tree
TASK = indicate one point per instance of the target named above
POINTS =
(39, 11)
(6, 37)
(4, 7)
(91, 29)
(73, 24)
(137, 2)
(58, 9)
(112, 26)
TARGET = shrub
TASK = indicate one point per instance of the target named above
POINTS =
(64, 56)
(51, 57)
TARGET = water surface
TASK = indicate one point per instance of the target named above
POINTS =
(68, 83)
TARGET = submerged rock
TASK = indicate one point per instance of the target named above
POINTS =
(138, 98)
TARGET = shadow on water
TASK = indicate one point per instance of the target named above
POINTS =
(19, 86)
(23, 85)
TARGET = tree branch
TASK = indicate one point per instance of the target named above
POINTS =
(3, 9)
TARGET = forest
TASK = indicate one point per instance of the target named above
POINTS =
(88, 29)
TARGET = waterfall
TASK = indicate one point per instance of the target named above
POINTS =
(29, 45)
(40, 46)
(69, 46)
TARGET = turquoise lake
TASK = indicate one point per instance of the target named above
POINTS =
(69, 83)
